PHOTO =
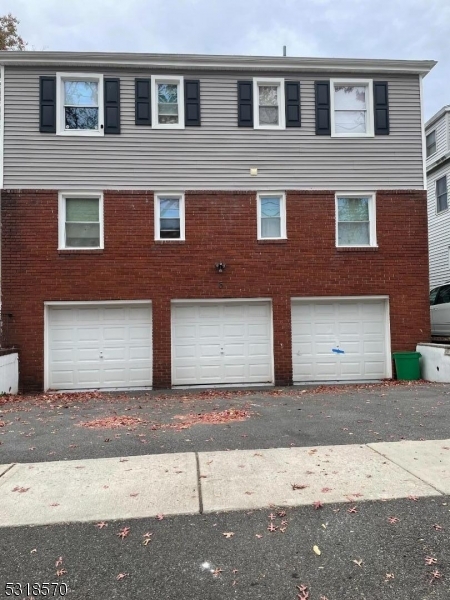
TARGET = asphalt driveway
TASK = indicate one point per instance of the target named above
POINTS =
(50, 427)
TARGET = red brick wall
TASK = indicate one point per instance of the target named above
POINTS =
(220, 226)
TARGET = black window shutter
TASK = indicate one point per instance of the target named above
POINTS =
(292, 99)
(142, 106)
(323, 122)
(112, 105)
(381, 107)
(47, 104)
(245, 103)
(192, 103)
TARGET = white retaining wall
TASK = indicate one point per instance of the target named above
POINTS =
(9, 373)
(435, 362)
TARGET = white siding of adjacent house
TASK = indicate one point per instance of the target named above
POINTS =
(438, 232)
(442, 138)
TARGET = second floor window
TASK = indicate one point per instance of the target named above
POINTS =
(169, 217)
(441, 194)
(80, 104)
(269, 103)
(168, 103)
(351, 108)
(431, 143)
(355, 220)
(271, 216)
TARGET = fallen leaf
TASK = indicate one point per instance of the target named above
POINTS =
(352, 510)
(258, 535)
(317, 550)
(317, 504)
(393, 520)
(390, 576)
(101, 525)
(272, 527)
(228, 534)
(123, 532)
(298, 486)
(429, 560)
(160, 517)
(59, 561)
(61, 572)
(217, 572)
(358, 562)
(121, 576)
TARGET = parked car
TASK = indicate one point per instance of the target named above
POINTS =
(440, 310)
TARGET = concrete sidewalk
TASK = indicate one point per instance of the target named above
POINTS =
(192, 483)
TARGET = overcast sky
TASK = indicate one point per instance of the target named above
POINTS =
(410, 29)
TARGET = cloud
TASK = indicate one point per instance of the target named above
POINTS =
(344, 28)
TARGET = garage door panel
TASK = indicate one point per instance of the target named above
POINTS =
(357, 327)
(185, 332)
(105, 343)
(239, 336)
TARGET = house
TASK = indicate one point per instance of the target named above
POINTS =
(173, 220)
(437, 131)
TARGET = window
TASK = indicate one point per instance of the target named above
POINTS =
(355, 222)
(80, 104)
(80, 220)
(351, 108)
(168, 102)
(431, 143)
(433, 295)
(441, 194)
(169, 217)
(443, 296)
(271, 216)
(269, 103)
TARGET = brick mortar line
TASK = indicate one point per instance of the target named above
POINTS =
(440, 492)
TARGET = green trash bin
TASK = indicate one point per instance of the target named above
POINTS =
(407, 365)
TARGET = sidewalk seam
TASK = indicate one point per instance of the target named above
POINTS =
(440, 492)
(8, 469)
(199, 484)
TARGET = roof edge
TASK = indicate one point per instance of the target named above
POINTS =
(203, 62)
(440, 113)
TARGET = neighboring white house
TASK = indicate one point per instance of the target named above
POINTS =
(437, 131)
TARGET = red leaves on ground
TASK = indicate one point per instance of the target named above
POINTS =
(160, 517)
(298, 486)
(435, 575)
(303, 593)
(317, 504)
(123, 532)
(325, 490)
(437, 527)
(272, 527)
(352, 510)
(121, 576)
(113, 422)
(393, 520)
(2, 423)
(430, 560)
(101, 525)
(21, 490)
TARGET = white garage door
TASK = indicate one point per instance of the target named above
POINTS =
(338, 340)
(99, 346)
(221, 342)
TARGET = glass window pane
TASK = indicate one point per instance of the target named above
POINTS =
(82, 209)
(350, 97)
(170, 228)
(441, 185)
(81, 93)
(268, 115)
(350, 121)
(81, 118)
(83, 235)
(270, 207)
(169, 208)
(353, 209)
(168, 109)
(431, 143)
(268, 95)
(353, 234)
(271, 227)
(167, 92)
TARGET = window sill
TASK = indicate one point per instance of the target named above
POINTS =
(281, 241)
(63, 251)
(357, 249)
(81, 133)
(164, 242)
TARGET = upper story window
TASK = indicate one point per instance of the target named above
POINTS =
(355, 220)
(168, 104)
(80, 220)
(169, 217)
(271, 216)
(431, 143)
(79, 104)
(269, 103)
(352, 108)
(441, 194)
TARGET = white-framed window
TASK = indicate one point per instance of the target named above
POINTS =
(441, 194)
(80, 216)
(169, 216)
(271, 216)
(431, 143)
(355, 220)
(167, 102)
(268, 102)
(352, 108)
(79, 100)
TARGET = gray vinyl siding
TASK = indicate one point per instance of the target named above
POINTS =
(216, 156)
(438, 231)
